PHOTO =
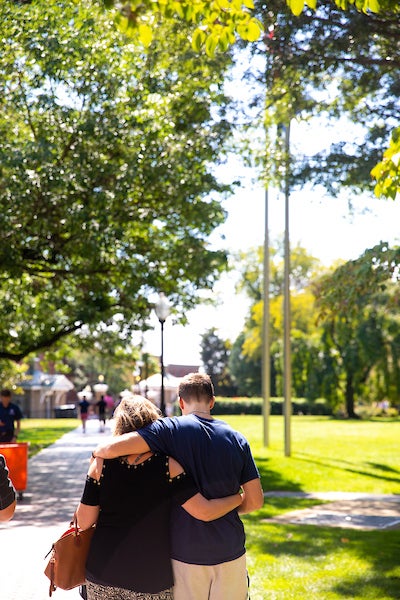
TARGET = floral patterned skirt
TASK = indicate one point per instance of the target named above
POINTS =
(96, 591)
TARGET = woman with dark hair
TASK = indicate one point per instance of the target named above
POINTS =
(129, 498)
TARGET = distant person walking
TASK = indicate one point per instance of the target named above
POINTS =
(10, 418)
(101, 409)
(84, 410)
(109, 400)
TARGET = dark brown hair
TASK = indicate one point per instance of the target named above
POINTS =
(196, 386)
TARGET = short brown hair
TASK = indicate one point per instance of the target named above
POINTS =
(134, 412)
(196, 386)
(6, 393)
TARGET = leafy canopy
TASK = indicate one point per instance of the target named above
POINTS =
(334, 66)
(215, 24)
(373, 6)
(357, 306)
(106, 189)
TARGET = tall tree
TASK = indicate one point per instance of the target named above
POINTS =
(244, 370)
(304, 337)
(357, 306)
(106, 189)
(215, 25)
(215, 354)
(336, 64)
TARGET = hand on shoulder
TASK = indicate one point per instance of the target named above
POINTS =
(96, 467)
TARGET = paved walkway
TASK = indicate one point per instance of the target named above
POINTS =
(344, 509)
(56, 478)
(55, 481)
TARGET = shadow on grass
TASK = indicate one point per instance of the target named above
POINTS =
(273, 480)
(370, 587)
(340, 465)
(277, 505)
(385, 468)
(374, 552)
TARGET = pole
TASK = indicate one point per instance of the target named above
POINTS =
(146, 372)
(162, 399)
(287, 372)
(162, 310)
(266, 370)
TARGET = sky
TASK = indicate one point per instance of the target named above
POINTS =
(321, 224)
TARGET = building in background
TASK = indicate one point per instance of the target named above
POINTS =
(47, 395)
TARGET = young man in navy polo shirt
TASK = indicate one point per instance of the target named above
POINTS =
(10, 414)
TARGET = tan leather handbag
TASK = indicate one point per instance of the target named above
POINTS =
(66, 567)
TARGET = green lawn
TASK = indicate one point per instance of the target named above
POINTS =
(325, 563)
(322, 563)
(326, 454)
(44, 432)
(308, 562)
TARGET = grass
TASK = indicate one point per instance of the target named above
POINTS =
(325, 563)
(322, 563)
(326, 454)
(306, 562)
(44, 432)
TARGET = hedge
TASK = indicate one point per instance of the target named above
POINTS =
(253, 406)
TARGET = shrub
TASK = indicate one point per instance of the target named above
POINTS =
(253, 406)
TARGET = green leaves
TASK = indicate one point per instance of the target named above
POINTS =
(296, 6)
(215, 24)
(145, 34)
(374, 6)
(342, 67)
(106, 194)
(358, 308)
(387, 172)
(198, 39)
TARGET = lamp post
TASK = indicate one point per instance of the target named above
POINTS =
(162, 310)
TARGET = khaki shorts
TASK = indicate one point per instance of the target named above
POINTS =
(225, 581)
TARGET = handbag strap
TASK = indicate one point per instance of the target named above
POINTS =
(74, 523)
(52, 587)
(77, 530)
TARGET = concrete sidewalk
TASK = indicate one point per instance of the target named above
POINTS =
(56, 477)
(347, 510)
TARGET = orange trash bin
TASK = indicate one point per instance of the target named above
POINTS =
(16, 456)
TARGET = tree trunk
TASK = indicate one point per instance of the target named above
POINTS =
(349, 396)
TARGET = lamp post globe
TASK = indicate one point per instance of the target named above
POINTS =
(162, 307)
(162, 310)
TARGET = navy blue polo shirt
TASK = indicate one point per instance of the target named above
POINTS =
(220, 461)
(8, 415)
